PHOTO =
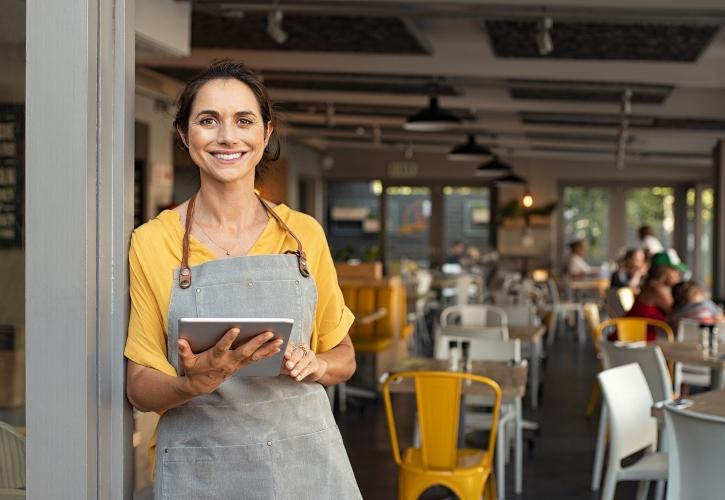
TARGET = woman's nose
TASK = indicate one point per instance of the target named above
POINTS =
(227, 134)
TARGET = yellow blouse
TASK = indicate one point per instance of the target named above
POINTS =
(156, 252)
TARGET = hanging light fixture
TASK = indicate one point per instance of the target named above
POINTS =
(470, 151)
(431, 119)
(510, 180)
(527, 200)
(493, 167)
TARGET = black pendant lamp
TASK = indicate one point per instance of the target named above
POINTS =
(510, 180)
(493, 167)
(431, 119)
(470, 151)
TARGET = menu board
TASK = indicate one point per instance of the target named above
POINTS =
(12, 169)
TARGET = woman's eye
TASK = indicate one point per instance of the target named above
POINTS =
(205, 122)
(244, 121)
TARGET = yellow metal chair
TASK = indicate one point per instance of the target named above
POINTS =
(634, 329)
(591, 316)
(438, 461)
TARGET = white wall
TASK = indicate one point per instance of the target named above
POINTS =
(302, 161)
(160, 172)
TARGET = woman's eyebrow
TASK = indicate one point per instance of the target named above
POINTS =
(215, 113)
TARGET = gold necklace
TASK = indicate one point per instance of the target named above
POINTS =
(228, 252)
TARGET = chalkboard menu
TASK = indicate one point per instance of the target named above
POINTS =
(12, 170)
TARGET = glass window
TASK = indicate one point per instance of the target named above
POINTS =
(353, 220)
(408, 223)
(652, 206)
(467, 217)
(586, 214)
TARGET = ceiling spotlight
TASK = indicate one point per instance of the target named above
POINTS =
(431, 119)
(493, 167)
(510, 180)
(543, 35)
(470, 151)
(274, 26)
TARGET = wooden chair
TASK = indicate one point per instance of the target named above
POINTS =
(380, 332)
(438, 461)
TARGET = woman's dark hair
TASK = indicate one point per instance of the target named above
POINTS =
(227, 69)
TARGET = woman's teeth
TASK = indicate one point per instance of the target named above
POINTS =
(230, 156)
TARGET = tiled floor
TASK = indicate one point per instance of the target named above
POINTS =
(559, 464)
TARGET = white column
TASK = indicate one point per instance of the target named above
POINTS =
(79, 157)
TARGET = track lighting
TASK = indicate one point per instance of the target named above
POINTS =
(543, 35)
(274, 26)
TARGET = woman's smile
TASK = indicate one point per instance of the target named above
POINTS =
(227, 157)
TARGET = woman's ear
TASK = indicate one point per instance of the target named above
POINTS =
(270, 129)
(182, 136)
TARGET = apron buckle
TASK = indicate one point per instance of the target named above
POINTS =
(301, 262)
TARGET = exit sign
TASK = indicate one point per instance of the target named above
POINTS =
(402, 169)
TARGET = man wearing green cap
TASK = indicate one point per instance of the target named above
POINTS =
(655, 299)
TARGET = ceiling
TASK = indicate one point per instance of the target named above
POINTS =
(351, 71)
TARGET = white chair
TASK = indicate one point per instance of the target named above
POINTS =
(12, 463)
(491, 319)
(559, 308)
(688, 330)
(525, 315)
(654, 368)
(423, 282)
(492, 350)
(633, 429)
(697, 442)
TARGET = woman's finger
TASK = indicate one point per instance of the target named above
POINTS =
(225, 343)
(306, 371)
(303, 363)
(294, 357)
(185, 353)
(246, 350)
(267, 350)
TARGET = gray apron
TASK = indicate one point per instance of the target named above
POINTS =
(254, 437)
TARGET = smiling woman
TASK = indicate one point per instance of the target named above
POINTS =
(226, 252)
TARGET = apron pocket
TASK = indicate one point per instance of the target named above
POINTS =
(213, 473)
(313, 466)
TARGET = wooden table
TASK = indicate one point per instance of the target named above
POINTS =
(526, 334)
(583, 285)
(510, 377)
(709, 403)
(691, 354)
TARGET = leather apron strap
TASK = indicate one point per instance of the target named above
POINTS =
(185, 270)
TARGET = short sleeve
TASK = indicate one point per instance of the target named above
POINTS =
(146, 341)
(332, 318)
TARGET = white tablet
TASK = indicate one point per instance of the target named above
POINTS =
(203, 333)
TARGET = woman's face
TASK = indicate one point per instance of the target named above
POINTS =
(227, 136)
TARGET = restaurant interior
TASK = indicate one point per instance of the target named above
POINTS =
(504, 186)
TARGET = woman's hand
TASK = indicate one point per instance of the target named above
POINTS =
(204, 372)
(301, 363)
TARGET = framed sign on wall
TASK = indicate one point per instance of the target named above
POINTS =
(12, 170)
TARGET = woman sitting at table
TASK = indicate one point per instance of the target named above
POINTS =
(690, 302)
(576, 266)
(632, 269)
(654, 301)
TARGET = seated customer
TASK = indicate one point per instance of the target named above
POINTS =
(654, 301)
(576, 266)
(632, 269)
(690, 302)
